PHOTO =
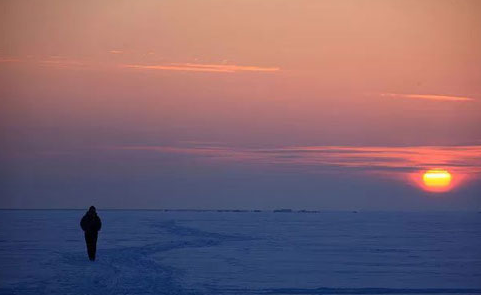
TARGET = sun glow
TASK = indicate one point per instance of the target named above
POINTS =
(437, 180)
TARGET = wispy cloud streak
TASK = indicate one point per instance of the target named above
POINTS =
(193, 67)
(7, 60)
(428, 97)
(65, 62)
(51, 61)
(465, 159)
(61, 63)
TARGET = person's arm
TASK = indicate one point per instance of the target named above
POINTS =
(99, 224)
(82, 223)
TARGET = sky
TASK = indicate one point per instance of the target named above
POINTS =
(240, 104)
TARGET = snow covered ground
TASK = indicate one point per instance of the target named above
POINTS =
(156, 252)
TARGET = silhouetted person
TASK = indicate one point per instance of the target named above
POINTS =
(91, 225)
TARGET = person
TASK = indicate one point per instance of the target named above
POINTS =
(91, 225)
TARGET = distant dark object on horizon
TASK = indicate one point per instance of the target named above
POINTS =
(283, 211)
(212, 210)
(232, 210)
(309, 211)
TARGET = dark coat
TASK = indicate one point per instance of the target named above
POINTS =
(91, 223)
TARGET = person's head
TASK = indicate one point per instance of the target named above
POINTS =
(92, 209)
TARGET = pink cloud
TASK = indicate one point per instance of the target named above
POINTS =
(428, 97)
(61, 63)
(193, 67)
(6, 60)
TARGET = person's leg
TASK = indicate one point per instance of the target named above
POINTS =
(89, 239)
(94, 244)
(87, 243)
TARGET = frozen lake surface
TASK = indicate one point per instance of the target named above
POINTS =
(156, 252)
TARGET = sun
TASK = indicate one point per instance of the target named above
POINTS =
(437, 180)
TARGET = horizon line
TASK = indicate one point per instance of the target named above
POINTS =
(278, 210)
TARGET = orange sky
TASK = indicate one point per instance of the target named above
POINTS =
(239, 73)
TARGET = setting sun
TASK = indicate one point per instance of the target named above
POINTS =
(437, 179)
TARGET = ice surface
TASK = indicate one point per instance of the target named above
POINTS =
(156, 252)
